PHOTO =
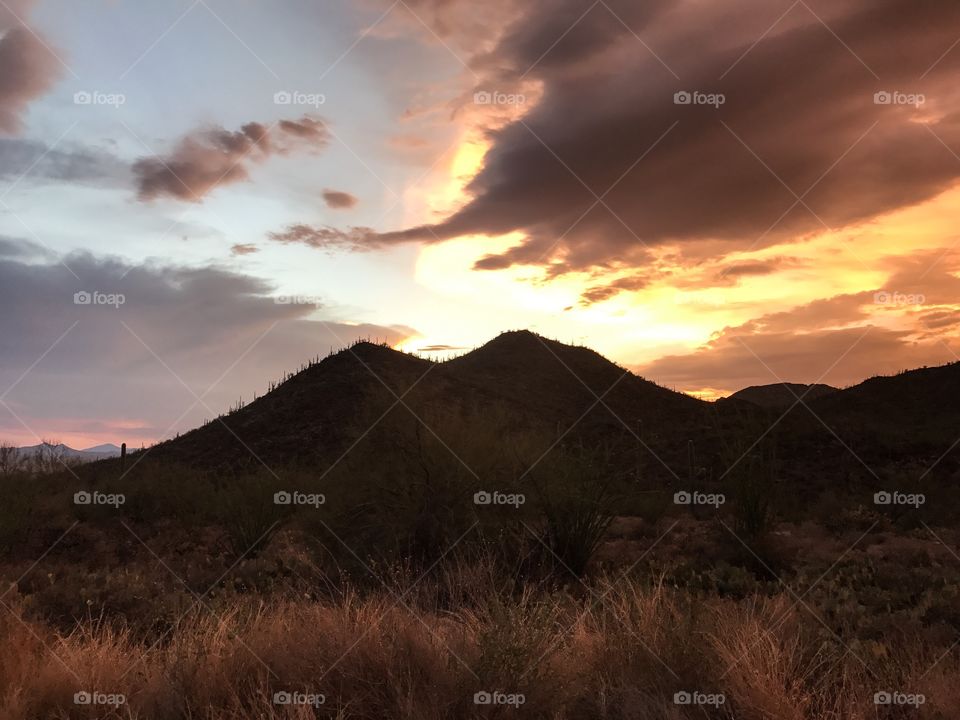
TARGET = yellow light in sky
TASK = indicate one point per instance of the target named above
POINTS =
(684, 302)
(468, 160)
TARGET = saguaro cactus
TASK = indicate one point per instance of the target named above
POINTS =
(123, 457)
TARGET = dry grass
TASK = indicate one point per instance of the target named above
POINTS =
(619, 651)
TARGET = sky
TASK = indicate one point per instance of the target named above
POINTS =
(198, 196)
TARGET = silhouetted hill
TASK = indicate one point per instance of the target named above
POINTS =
(308, 417)
(782, 395)
(565, 384)
(363, 399)
(915, 408)
(543, 385)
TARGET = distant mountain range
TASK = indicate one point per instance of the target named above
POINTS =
(50, 451)
(521, 383)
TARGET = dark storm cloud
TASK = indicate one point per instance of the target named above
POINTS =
(28, 67)
(212, 157)
(337, 200)
(798, 114)
(108, 366)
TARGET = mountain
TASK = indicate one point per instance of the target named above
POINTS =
(107, 450)
(782, 395)
(49, 451)
(370, 403)
(541, 385)
(913, 411)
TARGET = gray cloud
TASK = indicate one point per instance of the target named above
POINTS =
(338, 200)
(207, 159)
(67, 164)
(244, 249)
(196, 321)
(328, 238)
(22, 249)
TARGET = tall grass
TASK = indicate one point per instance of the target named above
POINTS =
(624, 655)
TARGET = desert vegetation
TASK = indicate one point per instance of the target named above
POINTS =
(460, 559)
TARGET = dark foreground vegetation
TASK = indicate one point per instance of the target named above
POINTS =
(522, 532)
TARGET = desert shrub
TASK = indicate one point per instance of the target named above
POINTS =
(752, 502)
(157, 493)
(651, 505)
(9, 459)
(572, 493)
(248, 513)
(416, 500)
(748, 457)
(16, 510)
(513, 636)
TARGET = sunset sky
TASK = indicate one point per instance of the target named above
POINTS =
(712, 194)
